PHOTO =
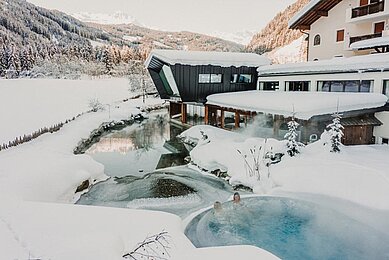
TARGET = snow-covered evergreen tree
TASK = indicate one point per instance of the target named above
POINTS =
(335, 132)
(293, 146)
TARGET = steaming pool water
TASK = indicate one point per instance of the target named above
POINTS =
(288, 228)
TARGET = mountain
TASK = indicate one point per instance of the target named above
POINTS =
(38, 42)
(147, 39)
(243, 37)
(101, 18)
(276, 33)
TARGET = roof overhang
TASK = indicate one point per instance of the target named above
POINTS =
(355, 64)
(205, 58)
(304, 105)
(371, 43)
(311, 13)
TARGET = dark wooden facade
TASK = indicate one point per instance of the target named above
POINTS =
(187, 80)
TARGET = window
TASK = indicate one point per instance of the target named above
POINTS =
(385, 90)
(379, 27)
(297, 85)
(344, 86)
(204, 78)
(339, 35)
(273, 85)
(385, 140)
(241, 78)
(216, 78)
(316, 40)
(210, 78)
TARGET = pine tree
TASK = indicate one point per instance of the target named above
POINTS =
(107, 60)
(335, 132)
(293, 146)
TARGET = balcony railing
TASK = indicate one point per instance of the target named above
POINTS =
(365, 37)
(368, 9)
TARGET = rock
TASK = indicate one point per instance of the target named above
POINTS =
(83, 186)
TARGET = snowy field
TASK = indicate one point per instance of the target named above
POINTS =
(28, 105)
(38, 180)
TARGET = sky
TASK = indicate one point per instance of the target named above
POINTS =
(203, 16)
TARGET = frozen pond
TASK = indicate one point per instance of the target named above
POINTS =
(290, 229)
(144, 163)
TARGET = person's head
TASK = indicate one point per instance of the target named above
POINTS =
(236, 198)
(217, 206)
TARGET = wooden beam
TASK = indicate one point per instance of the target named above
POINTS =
(222, 119)
(184, 113)
(206, 116)
(237, 119)
(322, 13)
(303, 27)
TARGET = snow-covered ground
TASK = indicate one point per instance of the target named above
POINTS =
(358, 174)
(38, 180)
(28, 105)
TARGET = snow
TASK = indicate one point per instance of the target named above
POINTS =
(161, 45)
(242, 37)
(307, 8)
(38, 180)
(97, 44)
(375, 42)
(29, 105)
(132, 38)
(364, 63)
(290, 53)
(339, 64)
(304, 104)
(105, 18)
(357, 174)
(223, 59)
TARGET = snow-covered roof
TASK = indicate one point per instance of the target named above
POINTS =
(311, 12)
(303, 12)
(364, 63)
(304, 104)
(194, 58)
(370, 43)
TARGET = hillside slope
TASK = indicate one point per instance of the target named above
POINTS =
(276, 33)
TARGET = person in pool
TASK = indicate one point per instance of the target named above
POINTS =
(217, 206)
(236, 198)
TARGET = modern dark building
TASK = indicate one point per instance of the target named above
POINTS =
(186, 78)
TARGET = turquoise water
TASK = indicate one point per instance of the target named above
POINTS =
(290, 229)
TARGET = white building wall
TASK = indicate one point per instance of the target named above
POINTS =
(382, 131)
(337, 19)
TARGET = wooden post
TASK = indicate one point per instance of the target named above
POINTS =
(222, 119)
(237, 119)
(184, 113)
(206, 116)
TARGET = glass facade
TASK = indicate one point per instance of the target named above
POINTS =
(241, 78)
(385, 90)
(210, 78)
(345, 86)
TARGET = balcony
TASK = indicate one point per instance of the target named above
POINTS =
(368, 9)
(364, 37)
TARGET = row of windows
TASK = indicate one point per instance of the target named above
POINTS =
(218, 78)
(328, 86)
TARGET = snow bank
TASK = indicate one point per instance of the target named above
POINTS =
(305, 105)
(372, 62)
(358, 174)
(28, 105)
(223, 59)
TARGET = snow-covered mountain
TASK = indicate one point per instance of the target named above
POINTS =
(104, 18)
(243, 37)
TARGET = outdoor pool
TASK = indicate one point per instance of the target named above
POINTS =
(288, 228)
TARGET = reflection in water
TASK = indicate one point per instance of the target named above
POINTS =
(140, 148)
